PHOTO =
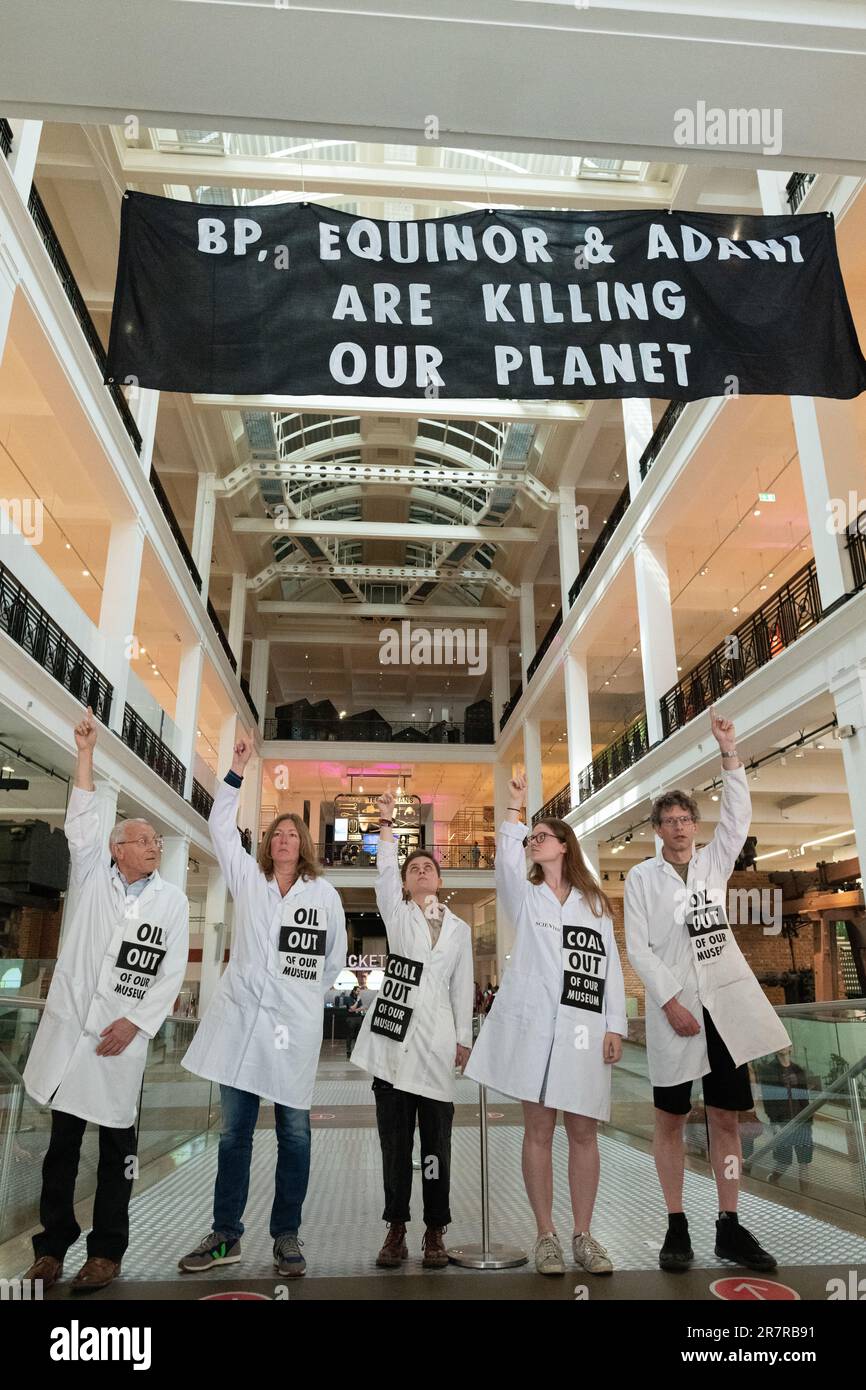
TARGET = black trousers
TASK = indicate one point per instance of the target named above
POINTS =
(396, 1114)
(110, 1234)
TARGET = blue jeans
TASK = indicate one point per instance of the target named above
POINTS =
(240, 1111)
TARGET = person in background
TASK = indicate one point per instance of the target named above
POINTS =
(416, 1033)
(557, 1023)
(261, 1034)
(354, 1018)
(121, 963)
(787, 1091)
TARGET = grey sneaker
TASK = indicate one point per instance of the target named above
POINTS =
(215, 1249)
(589, 1253)
(288, 1260)
(548, 1254)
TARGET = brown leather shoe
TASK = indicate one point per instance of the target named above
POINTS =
(96, 1273)
(435, 1254)
(46, 1268)
(395, 1250)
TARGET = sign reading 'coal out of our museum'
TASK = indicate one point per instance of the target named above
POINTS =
(392, 1012)
(305, 300)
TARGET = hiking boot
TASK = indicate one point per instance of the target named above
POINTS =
(590, 1253)
(215, 1249)
(47, 1268)
(734, 1242)
(97, 1272)
(288, 1260)
(435, 1254)
(548, 1254)
(676, 1254)
(395, 1250)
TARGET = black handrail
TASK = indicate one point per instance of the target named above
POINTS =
(350, 854)
(855, 544)
(200, 799)
(660, 434)
(624, 752)
(150, 748)
(792, 610)
(245, 687)
(557, 808)
(69, 283)
(221, 634)
(400, 730)
(5, 137)
(509, 708)
(30, 626)
(544, 646)
(620, 508)
(168, 513)
(797, 187)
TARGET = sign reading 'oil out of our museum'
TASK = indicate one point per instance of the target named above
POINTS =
(304, 300)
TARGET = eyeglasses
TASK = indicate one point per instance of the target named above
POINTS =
(144, 841)
(677, 821)
(540, 838)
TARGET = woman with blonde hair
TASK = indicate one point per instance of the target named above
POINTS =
(557, 1021)
(261, 1035)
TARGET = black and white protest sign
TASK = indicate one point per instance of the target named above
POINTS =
(298, 299)
(302, 944)
(139, 957)
(392, 1012)
(707, 924)
(584, 966)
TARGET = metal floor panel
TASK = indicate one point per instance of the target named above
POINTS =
(343, 1230)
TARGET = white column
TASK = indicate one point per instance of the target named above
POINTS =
(144, 404)
(8, 285)
(849, 694)
(577, 722)
(175, 860)
(186, 709)
(527, 628)
(259, 676)
(501, 778)
(569, 552)
(237, 616)
(501, 683)
(589, 849)
(202, 534)
(213, 937)
(532, 765)
(22, 156)
(228, 738)
(637, 420)
(656, 626)
(117, 611)
(251, 799)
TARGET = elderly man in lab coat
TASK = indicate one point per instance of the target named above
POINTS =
(706, 1014)
(121, 963)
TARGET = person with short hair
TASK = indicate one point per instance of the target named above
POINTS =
(706, 1014)
(261, 1034)
(121, 963)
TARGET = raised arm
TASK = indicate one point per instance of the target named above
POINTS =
(235, 863)
(735, 807)
(83, 832)
(512, 884)
(389, 885)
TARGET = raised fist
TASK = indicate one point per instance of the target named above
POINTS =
(517, 790)
(85, 732)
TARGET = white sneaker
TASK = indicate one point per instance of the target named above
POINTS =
(548, 1254)
(589, 1253)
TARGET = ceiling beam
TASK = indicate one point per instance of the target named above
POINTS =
(368, 529)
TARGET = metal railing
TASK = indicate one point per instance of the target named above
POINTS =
(69, 283)
(792, 610)
(336, 730)
(221, 634)
(245, 687)
(660, 434)
(619, 510)
(200, 800)
(544, 646)
(508, 709)
(349, 854)
(150, 748)
(624, 752)
(796, 189)
(180, 540)
(856, 546)
(5, 137)
(557, 808)
(30, 626)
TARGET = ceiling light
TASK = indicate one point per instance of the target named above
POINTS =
(763, 586)
(735, 609)
(85, 573)
(68, 546)
(679, 668)
(771, 574)
(714, 797)
(756, 512)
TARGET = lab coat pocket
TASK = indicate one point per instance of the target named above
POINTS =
(64, 997)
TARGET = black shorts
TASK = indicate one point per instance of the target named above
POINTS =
(725, 1085)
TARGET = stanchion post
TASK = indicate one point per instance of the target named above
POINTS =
(486, 1255)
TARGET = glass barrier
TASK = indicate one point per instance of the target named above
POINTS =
(805, 1134)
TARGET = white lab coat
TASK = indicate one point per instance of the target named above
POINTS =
(262, 1031)
(121, 957)
(425, 1005)
(660, 948)
(559, 949)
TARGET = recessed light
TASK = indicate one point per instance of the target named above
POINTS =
(735, 609)
(85, 573)
(756, 512)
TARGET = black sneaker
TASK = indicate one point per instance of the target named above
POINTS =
(734, 1242)
(676, 1254)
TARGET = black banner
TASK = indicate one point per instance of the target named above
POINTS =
(299, 299)
(584, 964)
